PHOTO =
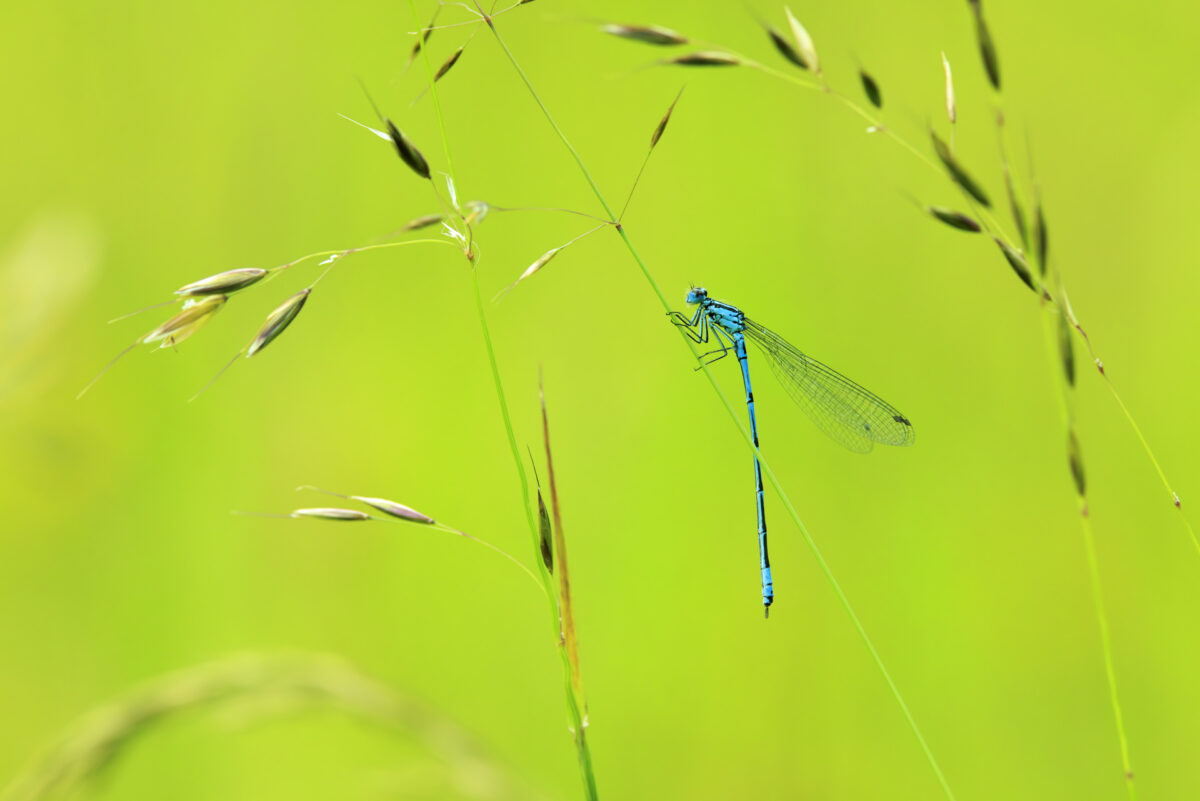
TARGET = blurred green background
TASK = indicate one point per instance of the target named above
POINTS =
(148, 145)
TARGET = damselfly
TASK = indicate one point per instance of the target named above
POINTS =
(841, 408)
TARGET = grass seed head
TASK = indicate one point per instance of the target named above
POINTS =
(804, 43)
(223, 283)
(871, 89)
(394, 509)
(330, 513)
(408, 151)
(195, 313)
(960, 176)
(647, 34)
(706, 58)
(450, 62)
(954, 219)
(278, 321)
(1018, 263)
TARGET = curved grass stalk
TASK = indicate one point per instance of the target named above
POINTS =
(791, 510)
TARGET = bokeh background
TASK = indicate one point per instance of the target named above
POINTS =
(147, 145)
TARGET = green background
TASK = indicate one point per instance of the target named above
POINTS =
(148, 145)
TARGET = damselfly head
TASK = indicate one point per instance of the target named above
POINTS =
(698, 294)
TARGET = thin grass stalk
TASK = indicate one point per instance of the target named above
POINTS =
(574, 713)
(791, 510)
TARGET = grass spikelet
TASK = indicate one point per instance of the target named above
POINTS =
(1075, 459)
(332, 513)
(647, 34)
(195, 313)
(785, 48)
(448, 63)
(871, 89)
(1017, 261)
(954, 219)
(1041, 239)
(951, 110)
(417, 223)
(223, 283)
(1018, 213)
(423, 37)
(394, 509)
(706, 58)
(408, 151)
(278, 321)
(1066, 349)
(545, 530)
(804, 44)
(987, 49)
(960, 176)
(662, 124)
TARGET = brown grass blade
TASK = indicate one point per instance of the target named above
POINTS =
(566, 613)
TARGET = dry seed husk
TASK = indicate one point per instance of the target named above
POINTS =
(408, 151)
(647, 34)
(871, 89)
(418, 223)
(956, 171)
(278, 321)
(223, 283)
(662, 124)
(450, 62)
(954, 219)
(1066, 349)
(195, 313)
(706, 58)
(1075, 459)
(1018, 264)
(545, 534)
(951, 109)
(394, 509)
(804, 43)
(330, 513)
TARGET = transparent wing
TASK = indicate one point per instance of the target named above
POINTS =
(841, 408)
